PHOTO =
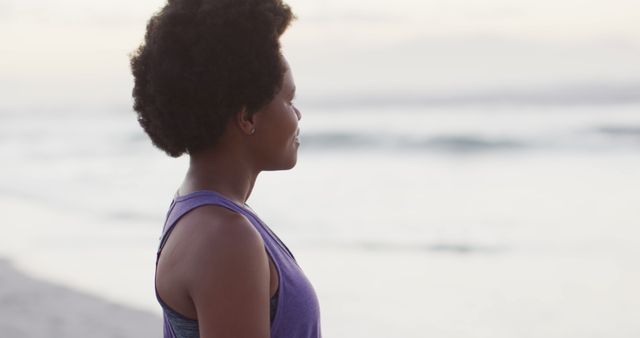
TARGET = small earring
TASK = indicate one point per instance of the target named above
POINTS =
(253, 131)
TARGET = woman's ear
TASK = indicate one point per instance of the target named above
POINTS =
(245, 121)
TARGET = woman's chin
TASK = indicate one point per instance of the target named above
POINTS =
(292, 163)
(283, 165)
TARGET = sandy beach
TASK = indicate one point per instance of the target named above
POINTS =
(31, 308)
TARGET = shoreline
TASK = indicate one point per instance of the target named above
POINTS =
(90, 254)
(34, 308)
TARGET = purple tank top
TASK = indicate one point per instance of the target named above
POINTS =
(298, 311)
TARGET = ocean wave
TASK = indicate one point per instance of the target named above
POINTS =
(448, 143)
(633, 131)
(409, 246)
(461, 143)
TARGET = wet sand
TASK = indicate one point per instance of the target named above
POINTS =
(31, 308)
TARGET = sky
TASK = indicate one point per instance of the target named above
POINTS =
(75, 53)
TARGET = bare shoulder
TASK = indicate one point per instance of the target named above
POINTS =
(205, 243)
(215, 220)
(210, 233)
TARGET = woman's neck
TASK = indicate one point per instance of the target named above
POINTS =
(226, 172)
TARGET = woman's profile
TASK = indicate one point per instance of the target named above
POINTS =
(210, 81)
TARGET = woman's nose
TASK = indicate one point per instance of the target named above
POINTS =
(298, 113)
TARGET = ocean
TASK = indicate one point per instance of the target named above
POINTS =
(450, 220)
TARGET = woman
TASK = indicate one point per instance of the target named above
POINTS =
(210, 82)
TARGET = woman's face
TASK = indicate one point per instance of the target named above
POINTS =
(276, 135)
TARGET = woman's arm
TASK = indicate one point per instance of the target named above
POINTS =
(229, 277)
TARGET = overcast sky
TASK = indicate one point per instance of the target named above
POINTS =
(75, 51)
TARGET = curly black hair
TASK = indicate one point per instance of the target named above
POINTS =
(201, 62)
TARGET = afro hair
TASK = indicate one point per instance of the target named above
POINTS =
(201, 62)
